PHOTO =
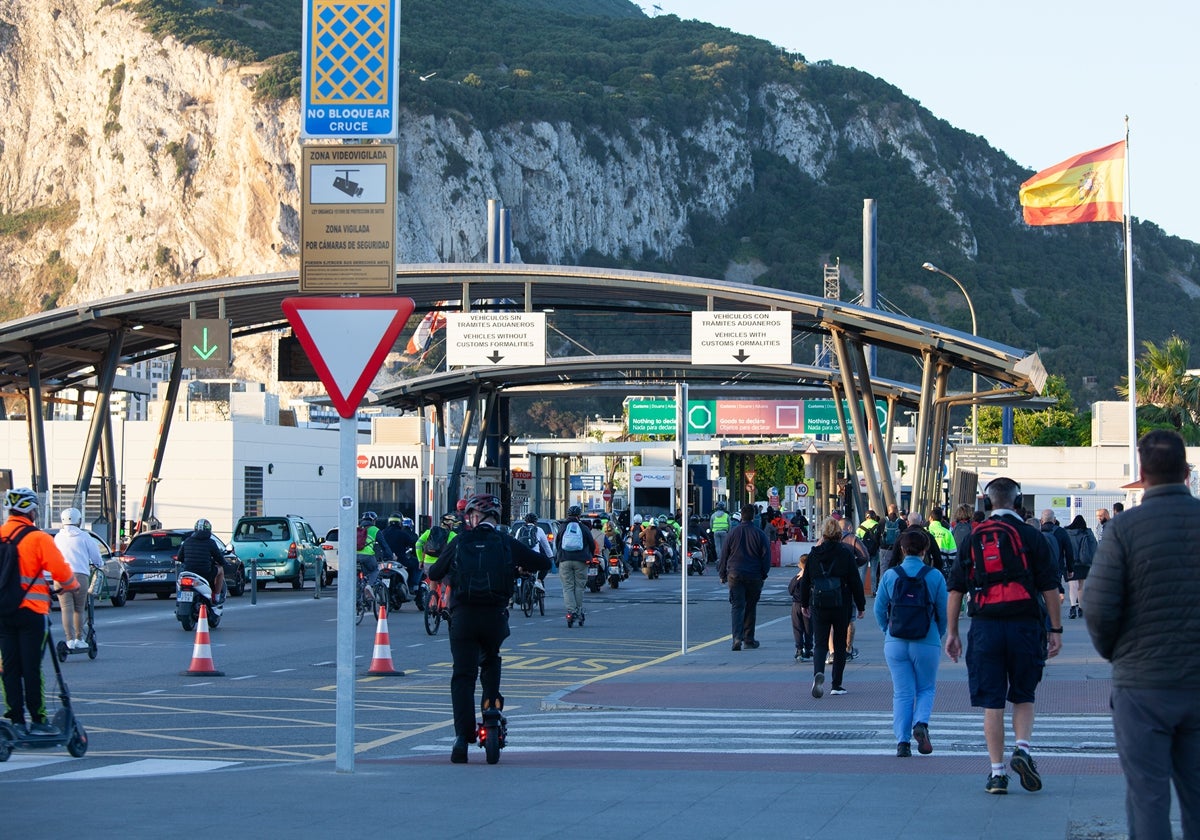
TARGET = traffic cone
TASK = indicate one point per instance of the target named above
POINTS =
(202, 661)
(381, 656)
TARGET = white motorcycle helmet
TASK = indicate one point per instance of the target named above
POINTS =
(637, 519)
(71, 516)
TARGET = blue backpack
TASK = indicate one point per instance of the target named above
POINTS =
(911, 612)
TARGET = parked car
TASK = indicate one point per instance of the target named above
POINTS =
(116, 579)
(330, 546)
(151, 560)
(285, 549)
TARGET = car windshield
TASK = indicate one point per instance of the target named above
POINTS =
(267, 530)
(155, 542)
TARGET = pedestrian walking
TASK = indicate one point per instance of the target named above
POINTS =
(575, 547)
(1143, 589)
(1083, 544)
(831, 592)
(910, 606)
(801, 625)
(744, 564)
(1007, 569)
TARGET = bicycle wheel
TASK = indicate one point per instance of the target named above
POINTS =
(433, 615)
(527, 598)
(541, 601)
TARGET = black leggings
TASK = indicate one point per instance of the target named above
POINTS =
(822, 621)
(21, 640)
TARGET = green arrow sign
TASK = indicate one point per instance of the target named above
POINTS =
(205, 342)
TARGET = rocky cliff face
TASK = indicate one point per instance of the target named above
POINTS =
(160, 167)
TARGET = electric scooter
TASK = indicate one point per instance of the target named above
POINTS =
(493, 731)
(71, 733)
(95, 583)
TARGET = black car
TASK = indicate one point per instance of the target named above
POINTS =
(150, 561)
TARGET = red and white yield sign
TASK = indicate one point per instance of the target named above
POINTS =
(346, 340)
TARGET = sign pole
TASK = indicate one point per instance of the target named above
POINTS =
(347, 584)
(681, 437)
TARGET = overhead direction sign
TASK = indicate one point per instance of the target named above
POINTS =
(349, 58)
(205, 342)
(348, 219)
(483, 339)
(735, 338)
(346, 340)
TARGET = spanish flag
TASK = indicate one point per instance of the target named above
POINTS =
(1086, 188)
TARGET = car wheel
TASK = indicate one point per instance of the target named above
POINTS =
(298, 582)
(326, 578)
(239, 585)
(129, 596)
(119, 597)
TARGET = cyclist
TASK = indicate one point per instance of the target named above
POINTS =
(479, 617)
(532, 531)
(199, 554)
(365, 555)
(23, 631)
(430, 544)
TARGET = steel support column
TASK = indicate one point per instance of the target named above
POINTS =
(104, 382)
(853, 366)
(876, 444)
(38, 471)
(460, 456)
(160, 445)
(851, 472)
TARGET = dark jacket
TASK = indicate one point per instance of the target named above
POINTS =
(523, 557)
(199, 555)
(1083, 543)
(838, 560)
(1143, 592)
(746, 553)
(398, 539)
(1041, 564)
(1064, 558)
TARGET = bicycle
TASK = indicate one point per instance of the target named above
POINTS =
(438, 608)
(523, 593)
(364, 599)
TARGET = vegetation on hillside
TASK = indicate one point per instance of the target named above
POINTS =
(602, 64)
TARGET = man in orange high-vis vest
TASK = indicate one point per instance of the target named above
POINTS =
(23, 630)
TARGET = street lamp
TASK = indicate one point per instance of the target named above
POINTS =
(975, 332)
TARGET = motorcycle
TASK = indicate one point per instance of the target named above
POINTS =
(595, 577)
(393, 577)
(697, 554)
(650, 563)
(668, 554)
(616, 569)
(192, 591)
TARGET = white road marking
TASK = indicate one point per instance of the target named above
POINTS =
(145, 767)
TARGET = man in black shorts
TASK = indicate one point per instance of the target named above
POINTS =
(1013, 583)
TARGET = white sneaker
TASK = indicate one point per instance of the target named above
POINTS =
(76, 644)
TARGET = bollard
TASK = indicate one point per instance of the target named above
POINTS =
(254, 581)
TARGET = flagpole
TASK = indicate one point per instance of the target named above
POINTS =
(1130, 363)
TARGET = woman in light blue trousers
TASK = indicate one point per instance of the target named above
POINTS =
(913, 662)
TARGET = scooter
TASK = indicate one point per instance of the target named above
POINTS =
(95, 584)
(595, 577)
(393, 577)
(650, 563)
(71, 733)
(616, 569)
(696, 555)
(191, 591)
(493, 731)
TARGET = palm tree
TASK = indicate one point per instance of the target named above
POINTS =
(1168, 394)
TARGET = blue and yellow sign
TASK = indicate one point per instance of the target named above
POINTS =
(348, 77)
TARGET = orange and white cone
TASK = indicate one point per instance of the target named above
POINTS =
(381, 656)
(202, 661)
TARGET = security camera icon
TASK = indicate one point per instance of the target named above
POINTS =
(344, 184)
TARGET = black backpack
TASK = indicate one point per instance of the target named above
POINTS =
(910, 612)
(529, 535)
(483, 571)
(436, 541)
(891, 533)
(12, 594)
(826, 590)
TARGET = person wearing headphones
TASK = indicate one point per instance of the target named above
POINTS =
(82, 555)
(23, 630)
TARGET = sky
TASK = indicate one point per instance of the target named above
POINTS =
(1040, 81)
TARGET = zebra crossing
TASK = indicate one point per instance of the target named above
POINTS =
(779, 733)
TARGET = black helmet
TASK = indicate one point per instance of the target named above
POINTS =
(574, 510)
(720, 506)
(485, 504)
(396, 518)
(531, 518)
(449, 520)
(203, 525)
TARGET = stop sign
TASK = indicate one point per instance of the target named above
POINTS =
(607, 494)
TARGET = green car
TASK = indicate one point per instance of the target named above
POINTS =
(284, 549)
